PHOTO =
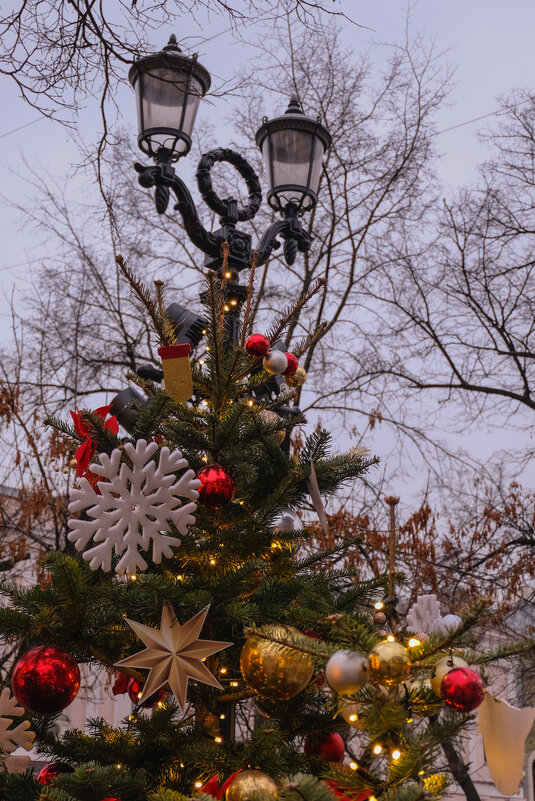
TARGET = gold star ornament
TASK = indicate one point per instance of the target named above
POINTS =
(174, 654)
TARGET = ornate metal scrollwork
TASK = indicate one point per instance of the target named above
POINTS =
(164, 178)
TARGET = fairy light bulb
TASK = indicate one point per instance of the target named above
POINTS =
(222, 716)
(413, 642)
(228, 275)
(233, 683)
(218, 739)
(223, 670)
(379, 605)
(198, 784)
(353, 718)
(390, 638)
(353, 765)
(212, 561)
(377, 749)
(396, 753)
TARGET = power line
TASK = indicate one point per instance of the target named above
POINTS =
(26, 124)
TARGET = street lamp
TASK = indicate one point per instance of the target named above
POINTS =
(169, 86)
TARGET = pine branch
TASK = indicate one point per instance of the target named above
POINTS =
(143, 294)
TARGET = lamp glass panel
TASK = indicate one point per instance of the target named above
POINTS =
(290, 154)
(161, 95)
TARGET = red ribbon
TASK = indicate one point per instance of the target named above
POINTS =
(84, 452)
(212, 785)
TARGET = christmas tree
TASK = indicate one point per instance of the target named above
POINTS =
(256, 670)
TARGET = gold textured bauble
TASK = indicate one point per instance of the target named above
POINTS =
(297, 379)
(272, 417)
(442, 667)
(272, 670)
(249, 782)
(389, 663)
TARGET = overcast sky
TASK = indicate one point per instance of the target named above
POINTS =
(491, 46)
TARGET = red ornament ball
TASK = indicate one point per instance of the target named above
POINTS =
(330, 747)
(293, 364)
(45, 680)
(49, 772)
(257, 345)
(462, 689)
(217, 486)
(110, 798)
(135, 691)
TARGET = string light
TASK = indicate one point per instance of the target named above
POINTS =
(233, 683)
(233, 302)
(353, 765)
(396, 753)
(222, 716)
(201, 361)
(409, 720)
(377, 749)
(228, 275)
(390, 638)
(379, 605)
(223, 670)
(180, 577)
(218, 740)
(198, 784)
(161, 704)
(226, 308)
(133, 577)
(212, 561)
(421, 772)
(413, 642)
(353, 718)
(118, 766)
(250, 402)
(204, 331)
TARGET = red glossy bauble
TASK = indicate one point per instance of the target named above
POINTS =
(134, 690)
(293, 364)
(330, 747)
(49, 772)
(257, 345)
(217, 486)
(45, 680)
(462, 689)
(111, 798)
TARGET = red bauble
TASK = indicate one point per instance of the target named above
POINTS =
(257, 345)
(110, 798)
(330, 747)
(462, 689)
(49, 772)
(135, 688)
(120, 686)
(293, 364)
(45, 680)
(217, 486)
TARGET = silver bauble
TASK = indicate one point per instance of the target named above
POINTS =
(347, 672)
(275, 362)
(442, 667)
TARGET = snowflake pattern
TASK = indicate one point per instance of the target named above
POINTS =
(12, 738)
(133, 507)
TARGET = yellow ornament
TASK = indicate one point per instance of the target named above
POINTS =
(272, 670)
(442, 667)
(297, 379)
(272, 417)
(249, 782)
(389, 663)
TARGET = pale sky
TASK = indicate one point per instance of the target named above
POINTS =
(491, 47)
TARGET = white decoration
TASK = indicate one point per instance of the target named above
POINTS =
(288, 520)
(174, 654)
(425, 615)
(504, 729)
(134, 507)
(12, 738)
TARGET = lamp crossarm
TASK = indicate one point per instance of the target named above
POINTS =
(164, 178)
(295, 238)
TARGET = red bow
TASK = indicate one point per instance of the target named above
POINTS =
(212, 785)
(85, 451)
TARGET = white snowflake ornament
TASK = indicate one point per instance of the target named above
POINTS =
(133, 507)
(16, 737)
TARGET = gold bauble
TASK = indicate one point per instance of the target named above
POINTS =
(350, 713)
(442, 667)
(272, 670)
(389, 663)
(297, 379)
(272, 417)
(249, 782)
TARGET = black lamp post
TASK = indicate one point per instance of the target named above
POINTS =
(169, 86)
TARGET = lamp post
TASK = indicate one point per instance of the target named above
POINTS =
(169, 86)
